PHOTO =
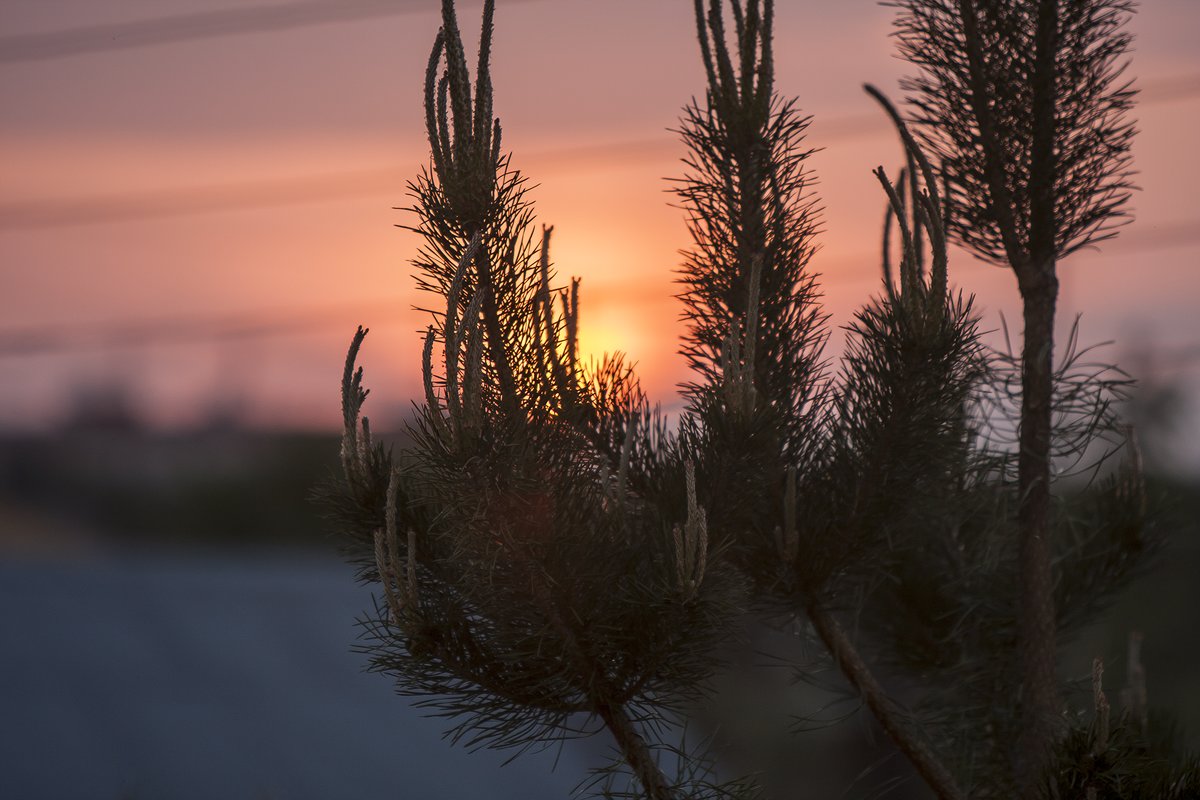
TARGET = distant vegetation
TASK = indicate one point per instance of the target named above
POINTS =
(131, 487)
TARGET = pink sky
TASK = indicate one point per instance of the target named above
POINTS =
(148, 185)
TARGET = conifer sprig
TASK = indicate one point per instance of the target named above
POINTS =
(552, 560)
(531, 584)
(1024, 106)
(749, 295)
(974, 111)
(772, 436)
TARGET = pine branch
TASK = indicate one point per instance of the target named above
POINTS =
(603, 700)
(547, 551)
(752, 218)
(749, 410)
(1019, 102)
(890, 716)
(522, 588)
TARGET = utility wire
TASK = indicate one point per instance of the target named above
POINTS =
(215, 23)
(161, 203)
(35, 340)
(45, 340)
(316, 188)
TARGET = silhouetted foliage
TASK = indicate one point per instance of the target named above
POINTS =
(553, 559)
(1023, 104)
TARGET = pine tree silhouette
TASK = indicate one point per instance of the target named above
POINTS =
(553, 559)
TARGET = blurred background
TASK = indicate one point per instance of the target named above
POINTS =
(198, 204)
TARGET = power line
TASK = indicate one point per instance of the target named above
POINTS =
(34, 340)
(1157, 237)
(212, 24)
(1165, 90)
(162, 203)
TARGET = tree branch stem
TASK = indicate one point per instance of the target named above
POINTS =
(1041, 706)
(889, 714)
(633, 747)
(1037, 627)
(596, 686)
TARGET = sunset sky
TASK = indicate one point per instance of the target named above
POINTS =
(196, 198)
